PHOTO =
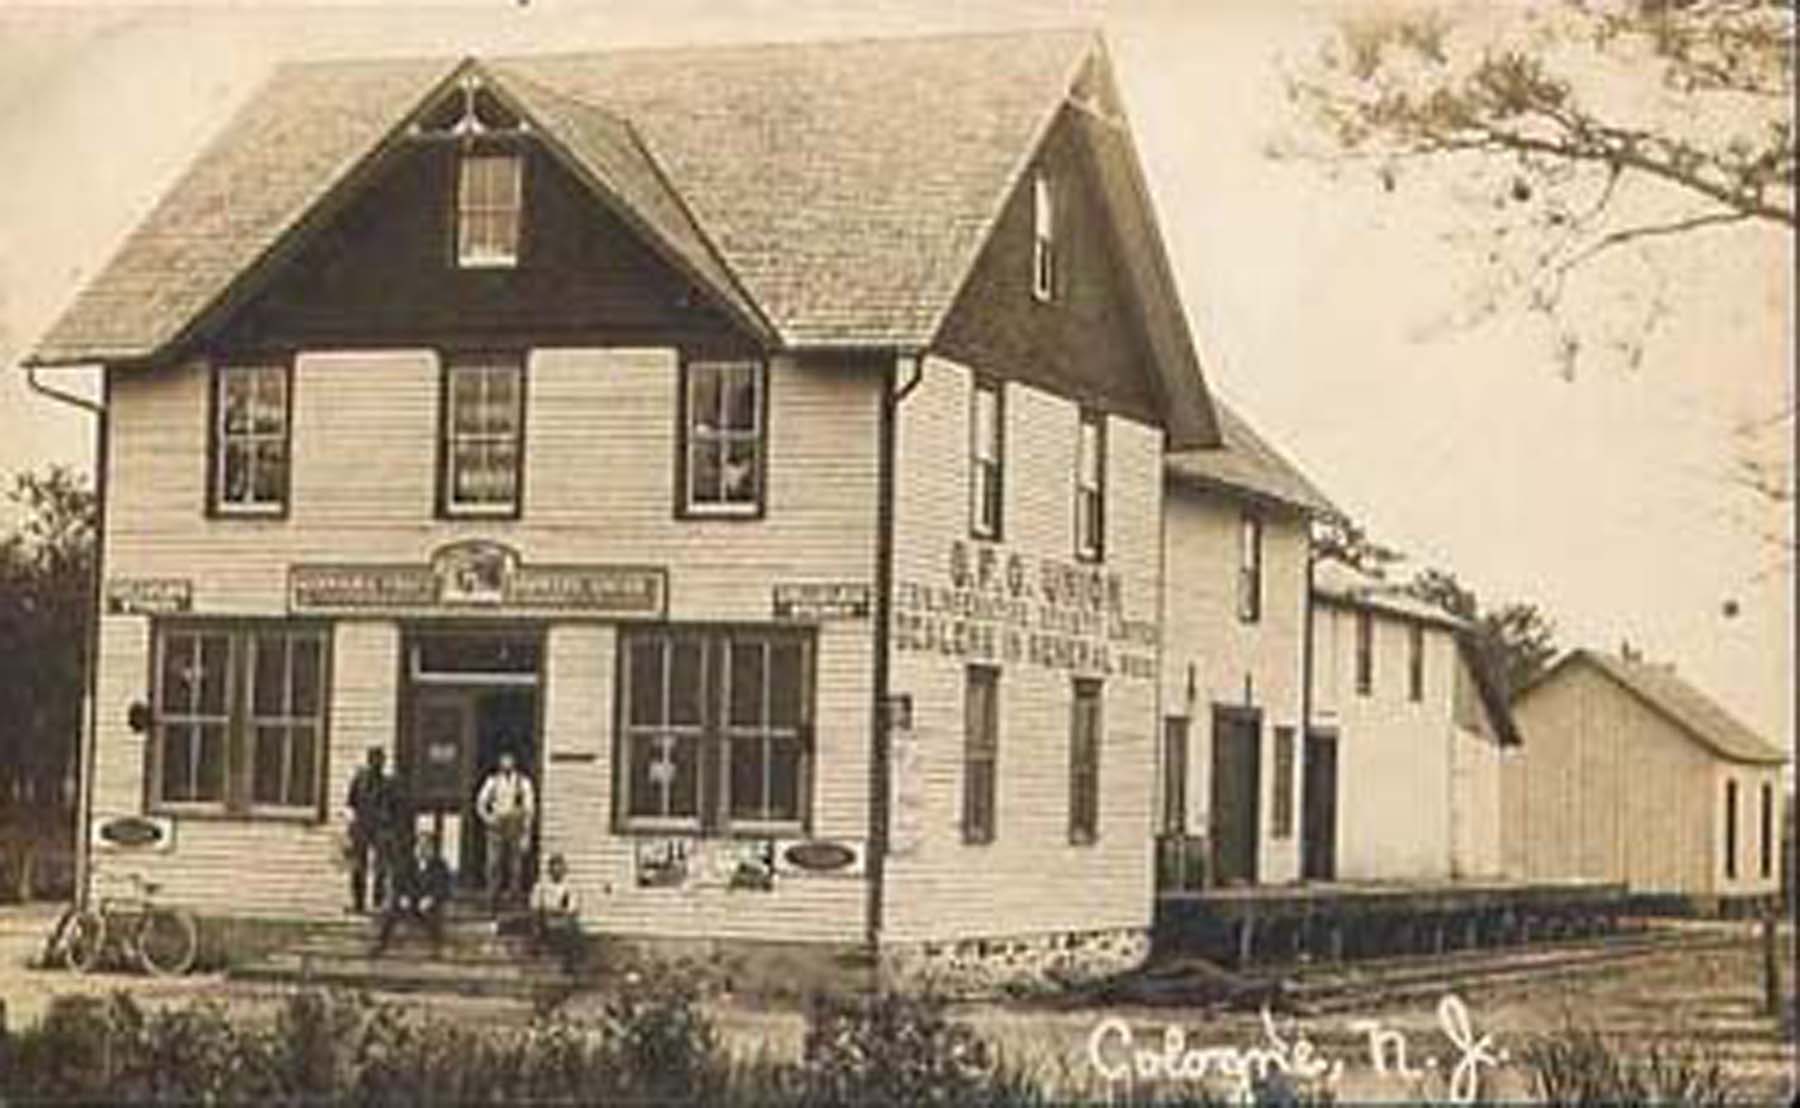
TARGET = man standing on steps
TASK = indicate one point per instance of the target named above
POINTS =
(506, 806)
(375, 814)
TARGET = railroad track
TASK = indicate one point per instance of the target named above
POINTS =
(1323, 989)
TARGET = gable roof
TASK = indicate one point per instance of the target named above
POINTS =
(1245, 462)
(830, 194)
(1336, 583)
(1665, 692)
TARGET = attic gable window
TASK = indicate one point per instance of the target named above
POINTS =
(489, 192)
(1043, 243)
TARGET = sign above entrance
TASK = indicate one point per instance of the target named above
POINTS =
(818, 601)
(478, 576)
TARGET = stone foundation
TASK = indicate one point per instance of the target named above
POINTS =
(1014, 964)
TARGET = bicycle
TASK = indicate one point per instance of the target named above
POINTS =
(164, 940)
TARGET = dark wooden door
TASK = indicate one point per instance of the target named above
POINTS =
(440, 755)
(1236, 786)
(1318, 808)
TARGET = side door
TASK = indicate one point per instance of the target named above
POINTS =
(1236, 794)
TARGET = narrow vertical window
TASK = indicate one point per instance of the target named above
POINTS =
(1281, 813)
(723, 441)
(981, 747)
(1043, 239)
(489, 189)
(1084, 763)
(1731, 835)
(1365, 653)
(665, 679)
(1090, 488)
(1250, 557)
(1415, 662)
(987, 444)
(1175, 774)
(193, 717)
(1766, 836)
(764, 720)
(250, 463)
(484, 409)
(287, 710)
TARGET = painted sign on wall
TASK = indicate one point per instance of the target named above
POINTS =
(482, 576)
(1001, 607)
(148, 595)
(818, 601)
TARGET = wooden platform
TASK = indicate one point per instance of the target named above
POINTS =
(1338, 919)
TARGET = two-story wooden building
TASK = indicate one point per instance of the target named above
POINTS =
(765, 444)
(1409, 739)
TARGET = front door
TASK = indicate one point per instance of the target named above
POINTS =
(470, 698)
(1318, 808)
(1236, 786)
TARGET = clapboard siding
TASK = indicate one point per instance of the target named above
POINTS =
(1232, 660)
(1030, 879)
(237, 865)
(599, 488)
(1396, 787)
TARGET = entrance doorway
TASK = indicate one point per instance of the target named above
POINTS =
(1318, 808)
(469, 697)
(1236, 793)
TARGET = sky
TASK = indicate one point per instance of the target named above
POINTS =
(1324, 306)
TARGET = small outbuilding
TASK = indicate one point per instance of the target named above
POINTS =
(1629, 773)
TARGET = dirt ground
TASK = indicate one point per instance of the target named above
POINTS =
(1710, 999)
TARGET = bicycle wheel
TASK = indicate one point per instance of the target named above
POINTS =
(84, 941)
(167, 941)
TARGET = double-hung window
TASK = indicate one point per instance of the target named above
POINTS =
(981, 749)
(238, 720)
(1731, 830)
(987, 445)
(1365, 653)
(1090, 488)
(489, 197)
(723, 440)
(250, 437)
(483, 435)
(1250, 567)
(715, 729)
(1084, 763)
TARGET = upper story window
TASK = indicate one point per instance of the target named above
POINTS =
(250, 462)
(483, 429)
(1043, 239)
(987, 444)
(1090, 488)
(723, 438)
(716, 729)
(1415, 662)
(1250, 567)
(260, 748)
(1365, 653)
(489, 197)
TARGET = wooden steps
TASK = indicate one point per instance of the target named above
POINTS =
(472, 960)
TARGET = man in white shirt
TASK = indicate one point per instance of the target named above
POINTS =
(556, 913)
(506, 805)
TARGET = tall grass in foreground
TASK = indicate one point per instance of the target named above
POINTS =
(1578, 1066)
